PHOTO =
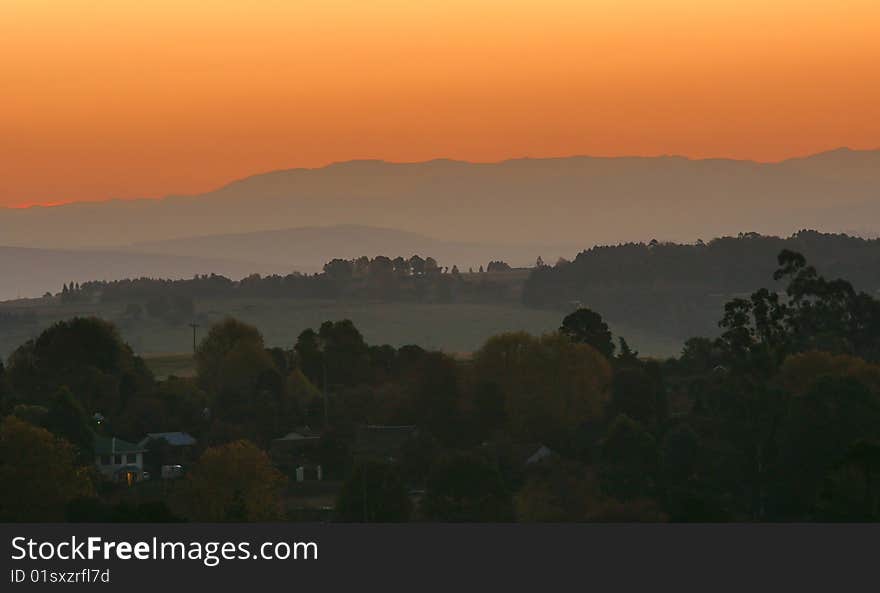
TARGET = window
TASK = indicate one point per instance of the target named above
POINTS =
(130, 458)
(117, 459)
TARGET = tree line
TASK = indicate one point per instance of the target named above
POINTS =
(379, 278)
(679, 290)
(775, 419)
(670, 289)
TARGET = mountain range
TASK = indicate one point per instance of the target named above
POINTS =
(460, 213)
(584, 200)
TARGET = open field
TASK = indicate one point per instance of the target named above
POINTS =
(454, 328)
(179, 364)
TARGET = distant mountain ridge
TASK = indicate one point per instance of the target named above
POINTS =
(582, 200)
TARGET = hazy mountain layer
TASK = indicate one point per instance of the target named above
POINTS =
(581, 200)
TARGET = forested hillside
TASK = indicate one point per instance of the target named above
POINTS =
(679, 289)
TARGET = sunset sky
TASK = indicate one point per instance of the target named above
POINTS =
(120, 99)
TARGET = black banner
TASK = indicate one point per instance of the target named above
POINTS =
(417, 557)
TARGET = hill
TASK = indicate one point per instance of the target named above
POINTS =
(585, 200)
(679, 290)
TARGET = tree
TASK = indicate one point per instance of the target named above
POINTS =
(7, 400)
(231, 356)
(818, 314)
(401, 266)
(235, 482)
(248, 393)
(86, 355)
(39, 473)
(374, 493)
(382, 282)
(551, 385)
(417, 456)
(800, 372)
(381, 267)
(559, 491)
(339, 269)
(431, 266)
(67, 419)
(436, 397)
(301, 390)
(691, 488)
(345, 353)
(850, 490)
(464, 487)
(627, 355)
(361, 266)
(587, 327)
(628, 463)
(417, 265)
(679, 453)
(309, 356)
(488, 407)
(639, 394)
(699, 355)
(817, 437)
(498, 266)
(177, 405)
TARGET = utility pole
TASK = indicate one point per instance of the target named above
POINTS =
(194, 326)
(364, 483)
(324, 364)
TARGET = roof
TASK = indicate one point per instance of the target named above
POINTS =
(296, 436)
(382, 441)
(128, 468)
(542, 453)
(521, 454)
(114, 446)
(175, 439)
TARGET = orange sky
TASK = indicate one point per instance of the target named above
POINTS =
(123, 98)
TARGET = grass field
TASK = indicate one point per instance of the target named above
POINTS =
(454, 328)
(177, 364)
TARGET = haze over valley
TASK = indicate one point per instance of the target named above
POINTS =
(463, 215)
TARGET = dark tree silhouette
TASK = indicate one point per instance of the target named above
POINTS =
(587, 327)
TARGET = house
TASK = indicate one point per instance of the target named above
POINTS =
(295, 453)
(296, 443)
(539, 454)
(119, 460)
(168, 450)
(175, 439)
(178, 447)
(382, 443)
